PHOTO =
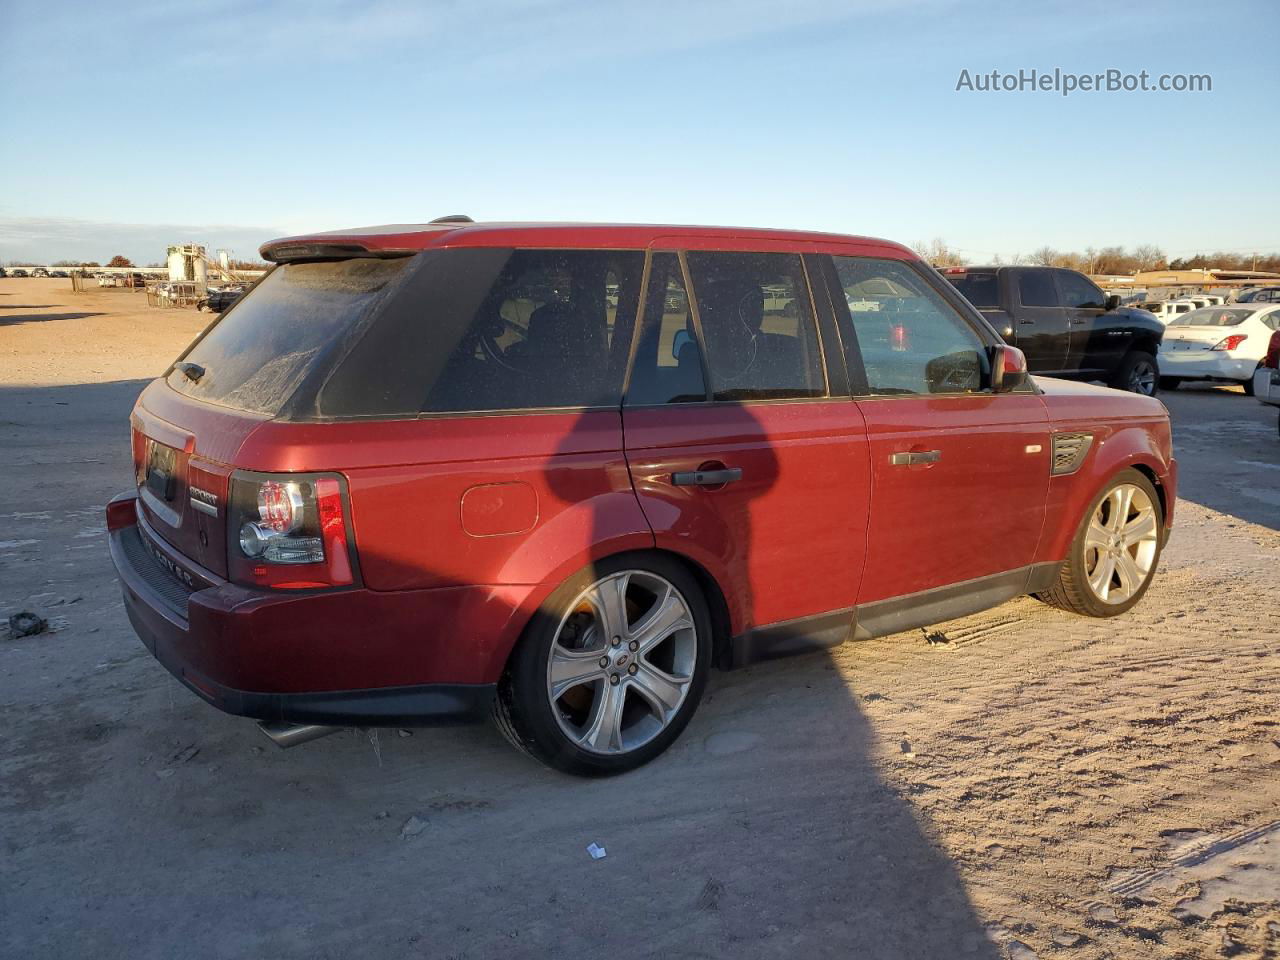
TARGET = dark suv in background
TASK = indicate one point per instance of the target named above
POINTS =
(1065, 324)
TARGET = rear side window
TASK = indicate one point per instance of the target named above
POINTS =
(258, 354)
(757, 326)
(495, 329)
(980, 289)
(910, 338)
(668, 364)
(1036, 289)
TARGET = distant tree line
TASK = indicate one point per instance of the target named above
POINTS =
(1106, 260)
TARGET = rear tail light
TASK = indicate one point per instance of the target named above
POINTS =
(1272, 359)
(1231, 342)
(898, 340)
(288, 531)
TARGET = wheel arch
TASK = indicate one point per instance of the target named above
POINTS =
(1129, 449)
(713, 593)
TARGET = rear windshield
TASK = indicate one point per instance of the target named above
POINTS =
(980, 289)
(266, 345)
(1211, 317)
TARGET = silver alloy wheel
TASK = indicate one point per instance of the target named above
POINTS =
(622, 662)
(1120, 543)
(1142, 378)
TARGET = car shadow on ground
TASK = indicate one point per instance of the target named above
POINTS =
(1217, 431)
(10, 320)
(768, 829)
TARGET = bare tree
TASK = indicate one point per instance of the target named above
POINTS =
(1148, 256)
(938, 254)
(1044, 257)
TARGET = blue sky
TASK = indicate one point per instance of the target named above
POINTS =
(238, 121)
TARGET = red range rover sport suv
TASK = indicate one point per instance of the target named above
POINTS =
(556, 473)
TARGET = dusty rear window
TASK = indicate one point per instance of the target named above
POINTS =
(262, 349)
(980, 289)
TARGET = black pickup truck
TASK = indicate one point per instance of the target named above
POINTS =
(1065, 324)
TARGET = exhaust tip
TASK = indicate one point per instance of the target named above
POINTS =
(285, 735)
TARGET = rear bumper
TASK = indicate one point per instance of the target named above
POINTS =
(1206, 365)
(1266, 385)
(334, 657)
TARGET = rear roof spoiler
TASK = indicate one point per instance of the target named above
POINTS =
(292, 251)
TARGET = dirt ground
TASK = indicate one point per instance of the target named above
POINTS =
(1028, 784)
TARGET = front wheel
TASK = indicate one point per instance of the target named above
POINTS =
(1115, 551)
(1137, 373)
(611, 668)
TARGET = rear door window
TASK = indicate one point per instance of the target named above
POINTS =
(757, 326)
(668, 364)
(259, 352)
(1036, 289)
(911, 340)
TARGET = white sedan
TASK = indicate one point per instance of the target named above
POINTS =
(1218, 343)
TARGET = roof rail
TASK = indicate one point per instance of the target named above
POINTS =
(454, 218)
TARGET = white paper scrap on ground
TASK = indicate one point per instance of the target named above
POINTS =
(597, 852)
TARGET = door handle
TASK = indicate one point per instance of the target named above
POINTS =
(911, 459)
(1020, 322)
(707, 478)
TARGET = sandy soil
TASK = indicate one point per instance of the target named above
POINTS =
(1016, 784)
(50, 335)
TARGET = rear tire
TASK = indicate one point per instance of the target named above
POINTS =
(610, 669)
(1170, 383)
(1138, 373)
(1095, 580)
(1248, 384)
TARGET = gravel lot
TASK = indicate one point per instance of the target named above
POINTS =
(1021, 783)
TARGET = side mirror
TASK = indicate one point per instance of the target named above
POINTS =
(1008, 369)
(1113, 301)
(678, 341)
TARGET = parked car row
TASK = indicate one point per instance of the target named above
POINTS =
(1266, 379)
(1225, 344)
(218, 299)
(1065, 325)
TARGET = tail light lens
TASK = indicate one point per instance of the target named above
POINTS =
(1272, 359)
(289, 531)
(1231, 342)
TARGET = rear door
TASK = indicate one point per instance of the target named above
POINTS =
(744, 448)
(1093, 347)
(1040, 328)
(959, 475)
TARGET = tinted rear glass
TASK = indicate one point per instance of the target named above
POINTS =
(1211, 317)
(760, 339)
(980, 289)
(477, 330)
(257, 355)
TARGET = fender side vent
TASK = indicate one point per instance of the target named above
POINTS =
(1069, 450)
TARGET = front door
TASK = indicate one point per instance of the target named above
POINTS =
(1040, 328)
(1096, 348)
(740, 456)
(959, 475)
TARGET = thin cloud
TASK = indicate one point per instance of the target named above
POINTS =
(46, 239)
